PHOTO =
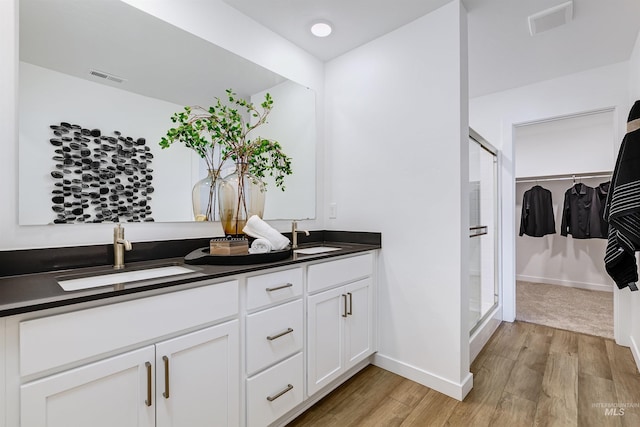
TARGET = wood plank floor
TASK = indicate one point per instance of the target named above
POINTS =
(527, 375)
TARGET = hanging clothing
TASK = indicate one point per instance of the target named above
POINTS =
(580, 216)
(600, 201)
(622, 210)
(537, 213)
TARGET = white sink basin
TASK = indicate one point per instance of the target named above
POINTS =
(123, 277)
(316, 250)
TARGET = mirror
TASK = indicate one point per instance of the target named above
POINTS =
(106, 66)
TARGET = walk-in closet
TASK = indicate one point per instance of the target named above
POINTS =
(563, 166)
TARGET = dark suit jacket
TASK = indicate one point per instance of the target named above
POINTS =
(537, 213)
(580, 213)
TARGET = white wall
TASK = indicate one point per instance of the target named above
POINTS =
(494, 117)
(634, 297)
(213, 20)
(397, 162)
(570, 145)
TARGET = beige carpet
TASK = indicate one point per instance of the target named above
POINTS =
(579, 310)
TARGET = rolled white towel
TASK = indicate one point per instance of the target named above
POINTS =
(259, 229)
(260, 246)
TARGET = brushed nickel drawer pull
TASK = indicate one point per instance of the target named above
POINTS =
(274, 397)
(281, 334)
(350, 312)
(277, 288)
(166, 377)
(344, 297)
(148, 366)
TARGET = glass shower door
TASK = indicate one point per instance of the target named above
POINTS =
(483, 283)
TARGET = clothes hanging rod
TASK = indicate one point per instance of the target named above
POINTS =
(564, 177)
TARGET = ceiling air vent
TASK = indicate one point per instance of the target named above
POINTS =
(106, 76)
(551, 18)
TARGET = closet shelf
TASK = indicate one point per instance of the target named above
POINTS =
(564, 177)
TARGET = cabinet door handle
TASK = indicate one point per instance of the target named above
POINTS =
(165, 359)
(148, 366)
(350, 312)
(344, 298)
(287, 285)
(281, 334)
(275, 396)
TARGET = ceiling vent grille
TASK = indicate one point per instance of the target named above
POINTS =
(106, 76)
(551, 18)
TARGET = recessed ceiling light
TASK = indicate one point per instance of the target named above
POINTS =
(321, 29)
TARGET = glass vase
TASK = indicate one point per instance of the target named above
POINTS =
(240, 195)
(204, 197)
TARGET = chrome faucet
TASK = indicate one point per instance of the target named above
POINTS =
(120, 244)
(294, 234)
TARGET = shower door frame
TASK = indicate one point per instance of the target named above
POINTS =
(486, 325)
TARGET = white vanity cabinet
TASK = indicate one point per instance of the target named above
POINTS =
(198, 378)
(251, 350)
(3, 356)
(274, 334)
(111, 392)
(191, 379)
(340, 321)
(275, 342)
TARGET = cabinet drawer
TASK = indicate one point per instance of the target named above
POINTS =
(274, 334)
(270, 288)
(274, 392)
(54, 341)
(332, 273)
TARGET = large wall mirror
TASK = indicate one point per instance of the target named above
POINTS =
(119, 74)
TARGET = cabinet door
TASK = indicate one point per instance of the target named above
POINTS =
(359, 323)
(325, 337)
(113, 392)
(198, 378)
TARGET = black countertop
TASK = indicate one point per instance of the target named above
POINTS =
(22, 293)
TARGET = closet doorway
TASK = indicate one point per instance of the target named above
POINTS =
(560, 279)
(483, 232)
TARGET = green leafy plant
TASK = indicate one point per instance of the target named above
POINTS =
(223, 126)
(225, 132)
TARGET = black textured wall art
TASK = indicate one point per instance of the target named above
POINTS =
(100, 178)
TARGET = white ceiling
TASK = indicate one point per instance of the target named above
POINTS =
(355, 22)
(502, 54)
(155, 59)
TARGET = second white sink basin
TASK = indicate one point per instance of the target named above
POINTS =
(123, 277)
(316, 250)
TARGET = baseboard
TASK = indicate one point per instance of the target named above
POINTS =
(567, 283)
(635, 351)
(427, 379)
